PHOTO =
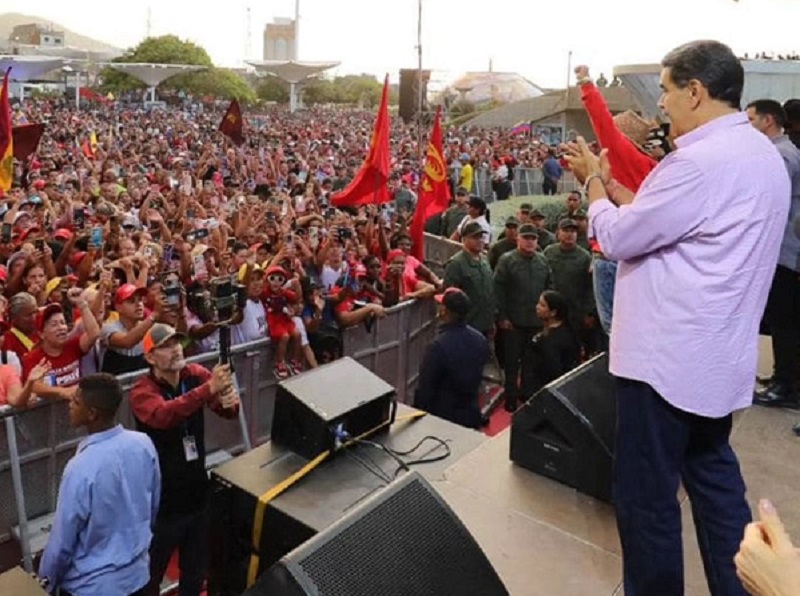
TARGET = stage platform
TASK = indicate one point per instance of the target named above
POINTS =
(545, 538)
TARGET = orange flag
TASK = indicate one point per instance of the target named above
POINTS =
(434, 192)
(6, 139)
(232, 124)
(370, 184)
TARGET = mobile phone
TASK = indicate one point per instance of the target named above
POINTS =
(231, 242)
(201, 233)
(39, 244)
(6, 233)
(96, 239)
(288, 239)
(79, 217)
(330, 213)
(190, 213)
(270, 216)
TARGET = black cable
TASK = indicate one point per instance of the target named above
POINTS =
(381, 475)
(426, 460)
(386, 450)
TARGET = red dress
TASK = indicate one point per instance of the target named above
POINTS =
(279, 323)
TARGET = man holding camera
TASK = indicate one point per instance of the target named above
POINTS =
(168, 405)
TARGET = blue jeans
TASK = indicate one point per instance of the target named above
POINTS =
(604, 278)
(657, 447)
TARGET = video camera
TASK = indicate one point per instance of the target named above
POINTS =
(226, 298)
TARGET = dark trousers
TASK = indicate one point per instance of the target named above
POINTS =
(549, 187)
(141, 592)
(187, 533)
(516, 363)
(657, 446)
(783, 317)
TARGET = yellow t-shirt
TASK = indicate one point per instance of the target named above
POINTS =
(465, 181)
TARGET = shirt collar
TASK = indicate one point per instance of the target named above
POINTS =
(100, 437)
(712, 127)
(780, 139)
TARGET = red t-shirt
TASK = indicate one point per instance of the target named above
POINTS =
(65, 366)
(12, 343)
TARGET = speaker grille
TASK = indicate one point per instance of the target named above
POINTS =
(408, 544)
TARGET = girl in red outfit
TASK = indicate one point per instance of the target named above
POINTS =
(278, 301)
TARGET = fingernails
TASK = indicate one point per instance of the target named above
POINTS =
(767, 506)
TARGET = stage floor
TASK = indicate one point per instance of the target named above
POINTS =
(545, 538)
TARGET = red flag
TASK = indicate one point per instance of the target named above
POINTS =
(26, 140)
(6, 139)
(370, 184)
(434, 193)
(232, 124)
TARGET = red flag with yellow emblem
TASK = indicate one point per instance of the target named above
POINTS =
(434, 193)
(6, 139)
(232, 124)
(370, 184)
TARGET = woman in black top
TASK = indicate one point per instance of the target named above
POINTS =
(555, 350)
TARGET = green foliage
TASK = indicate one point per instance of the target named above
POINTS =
(169, 49)
(551, 207)
(364, 90)
(272, 89)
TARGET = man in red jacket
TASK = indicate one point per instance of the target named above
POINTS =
(630, 165)
(168, 406)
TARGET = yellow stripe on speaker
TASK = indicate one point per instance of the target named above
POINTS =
(281, 487)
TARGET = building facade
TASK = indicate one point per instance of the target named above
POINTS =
(279, 40)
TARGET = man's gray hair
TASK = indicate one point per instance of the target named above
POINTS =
(18, 302)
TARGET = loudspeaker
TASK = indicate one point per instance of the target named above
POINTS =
(403, 540)
(566, 431)
(409, 93)
(342, 398)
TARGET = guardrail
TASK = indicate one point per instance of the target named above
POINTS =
(527, 181)
(37, 443)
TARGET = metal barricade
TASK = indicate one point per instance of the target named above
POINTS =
(527, 181)
(37, 443)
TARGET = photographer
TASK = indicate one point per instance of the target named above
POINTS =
(168, 405)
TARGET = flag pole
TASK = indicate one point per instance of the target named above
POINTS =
(419, 82)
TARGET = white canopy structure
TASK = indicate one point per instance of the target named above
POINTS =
(292, 72)
(153, 75)
(28, 68)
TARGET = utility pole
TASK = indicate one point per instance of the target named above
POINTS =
(297, 30)
(149, 26)
(248, 37)
(419, 82)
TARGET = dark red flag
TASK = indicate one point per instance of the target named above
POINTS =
(232, 124)
(26, 140)
(370, 184)
(434, 193)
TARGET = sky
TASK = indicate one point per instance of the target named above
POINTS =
(380, 36)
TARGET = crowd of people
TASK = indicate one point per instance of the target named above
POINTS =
(130, 233)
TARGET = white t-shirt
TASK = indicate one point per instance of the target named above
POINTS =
(330, 276)
(301, 327)
(253, 326)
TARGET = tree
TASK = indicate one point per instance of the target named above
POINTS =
(169, 49)
(271, 88)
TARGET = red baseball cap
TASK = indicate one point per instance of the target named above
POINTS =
(62, 234)
(128, 291)
(28, 232)
(76, 258)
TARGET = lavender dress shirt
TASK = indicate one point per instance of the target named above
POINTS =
(697, 249)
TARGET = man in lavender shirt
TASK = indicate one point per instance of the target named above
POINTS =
(697, 247)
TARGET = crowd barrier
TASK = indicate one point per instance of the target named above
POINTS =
(527, 181)
(37, 443)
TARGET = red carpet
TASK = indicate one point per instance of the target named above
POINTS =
(500, 419)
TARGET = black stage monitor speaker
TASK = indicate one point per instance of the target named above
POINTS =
(566, 431)
(340, 397)
(404, 540)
